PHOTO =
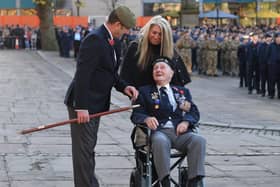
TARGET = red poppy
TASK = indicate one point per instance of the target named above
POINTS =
(181, 92)
(111, 42)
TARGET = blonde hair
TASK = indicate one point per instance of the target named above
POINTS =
(166, 44)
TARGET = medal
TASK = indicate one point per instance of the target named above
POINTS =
(157, 103)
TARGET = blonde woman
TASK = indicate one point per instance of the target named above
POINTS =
(154, 40)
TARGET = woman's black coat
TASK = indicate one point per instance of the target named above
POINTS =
(132, 74)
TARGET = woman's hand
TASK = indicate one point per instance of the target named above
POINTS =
(182, 127)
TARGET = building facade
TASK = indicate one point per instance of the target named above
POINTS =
(178, 12)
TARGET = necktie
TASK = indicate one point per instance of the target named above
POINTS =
(164, 96)
(165, 102)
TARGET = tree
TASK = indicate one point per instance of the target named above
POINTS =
(111, 4)
(45, 14)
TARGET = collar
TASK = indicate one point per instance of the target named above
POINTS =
(167, 86)
(111, 36)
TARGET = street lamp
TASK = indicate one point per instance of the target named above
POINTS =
(257, 10)
(217, 11)
(78, 4)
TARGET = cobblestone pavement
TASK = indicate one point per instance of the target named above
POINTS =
(242, 131)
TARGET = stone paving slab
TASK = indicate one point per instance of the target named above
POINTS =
(33, 91)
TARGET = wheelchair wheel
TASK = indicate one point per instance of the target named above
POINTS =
(135, 178)
(183, 176)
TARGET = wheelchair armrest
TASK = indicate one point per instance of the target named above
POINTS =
(140, 136)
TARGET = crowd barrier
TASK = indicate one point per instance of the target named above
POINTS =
(33, 21)
(71, 21)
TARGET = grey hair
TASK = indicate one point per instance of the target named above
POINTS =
(166, 46)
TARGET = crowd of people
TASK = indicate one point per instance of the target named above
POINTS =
(252, 53)
(17, 37)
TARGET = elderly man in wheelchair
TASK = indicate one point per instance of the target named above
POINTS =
(169, 112)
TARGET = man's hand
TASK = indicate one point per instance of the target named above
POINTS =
(151, 122)
(131, 92)
(82, 116)
(182, 127)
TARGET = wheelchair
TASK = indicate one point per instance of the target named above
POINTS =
(143, 175)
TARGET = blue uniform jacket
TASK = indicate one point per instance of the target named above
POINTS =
(151, 106)
(274, 54)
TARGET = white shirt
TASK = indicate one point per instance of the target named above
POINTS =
(111, 38)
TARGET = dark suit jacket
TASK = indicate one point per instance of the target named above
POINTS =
(147, 99)
(252, 53)
(96, 74)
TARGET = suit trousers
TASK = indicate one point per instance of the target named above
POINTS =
(190, 143)
(84, 138)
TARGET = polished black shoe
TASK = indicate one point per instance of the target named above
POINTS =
(263, 94)
(250, 92)
(271, 97)
(196, 182)
(165, 182)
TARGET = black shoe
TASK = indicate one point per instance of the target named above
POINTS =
(271, 97)
(250, 92)
(196, 182)
(263, 94)
(258, 92)
(165, 182)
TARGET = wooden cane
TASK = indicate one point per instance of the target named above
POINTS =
(43, 127)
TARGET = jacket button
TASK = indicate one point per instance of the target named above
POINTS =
(169, 117)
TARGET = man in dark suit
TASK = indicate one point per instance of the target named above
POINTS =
(263, 62)
(169, 111)
(274, 66)
(241, 54)
(90, 90)
(253, 73)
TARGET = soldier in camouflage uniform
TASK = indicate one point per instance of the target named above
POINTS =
(204, 55)
(233, 55)
(212, 48)
(227, 67)
(199, 53)
(223, 54)
(185, 45)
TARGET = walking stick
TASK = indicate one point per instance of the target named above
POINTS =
(43, 127)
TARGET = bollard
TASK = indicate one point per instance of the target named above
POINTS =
(17, 43)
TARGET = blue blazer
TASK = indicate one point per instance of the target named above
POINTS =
(151, 106)
(96, 73)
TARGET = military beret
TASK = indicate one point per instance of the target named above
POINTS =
(165, 60)
(126, 17)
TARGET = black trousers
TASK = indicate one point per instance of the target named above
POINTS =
(76, 48)
(253, 77)
(263, 77)
(274, 79)
(242, 73)
(84, 138)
